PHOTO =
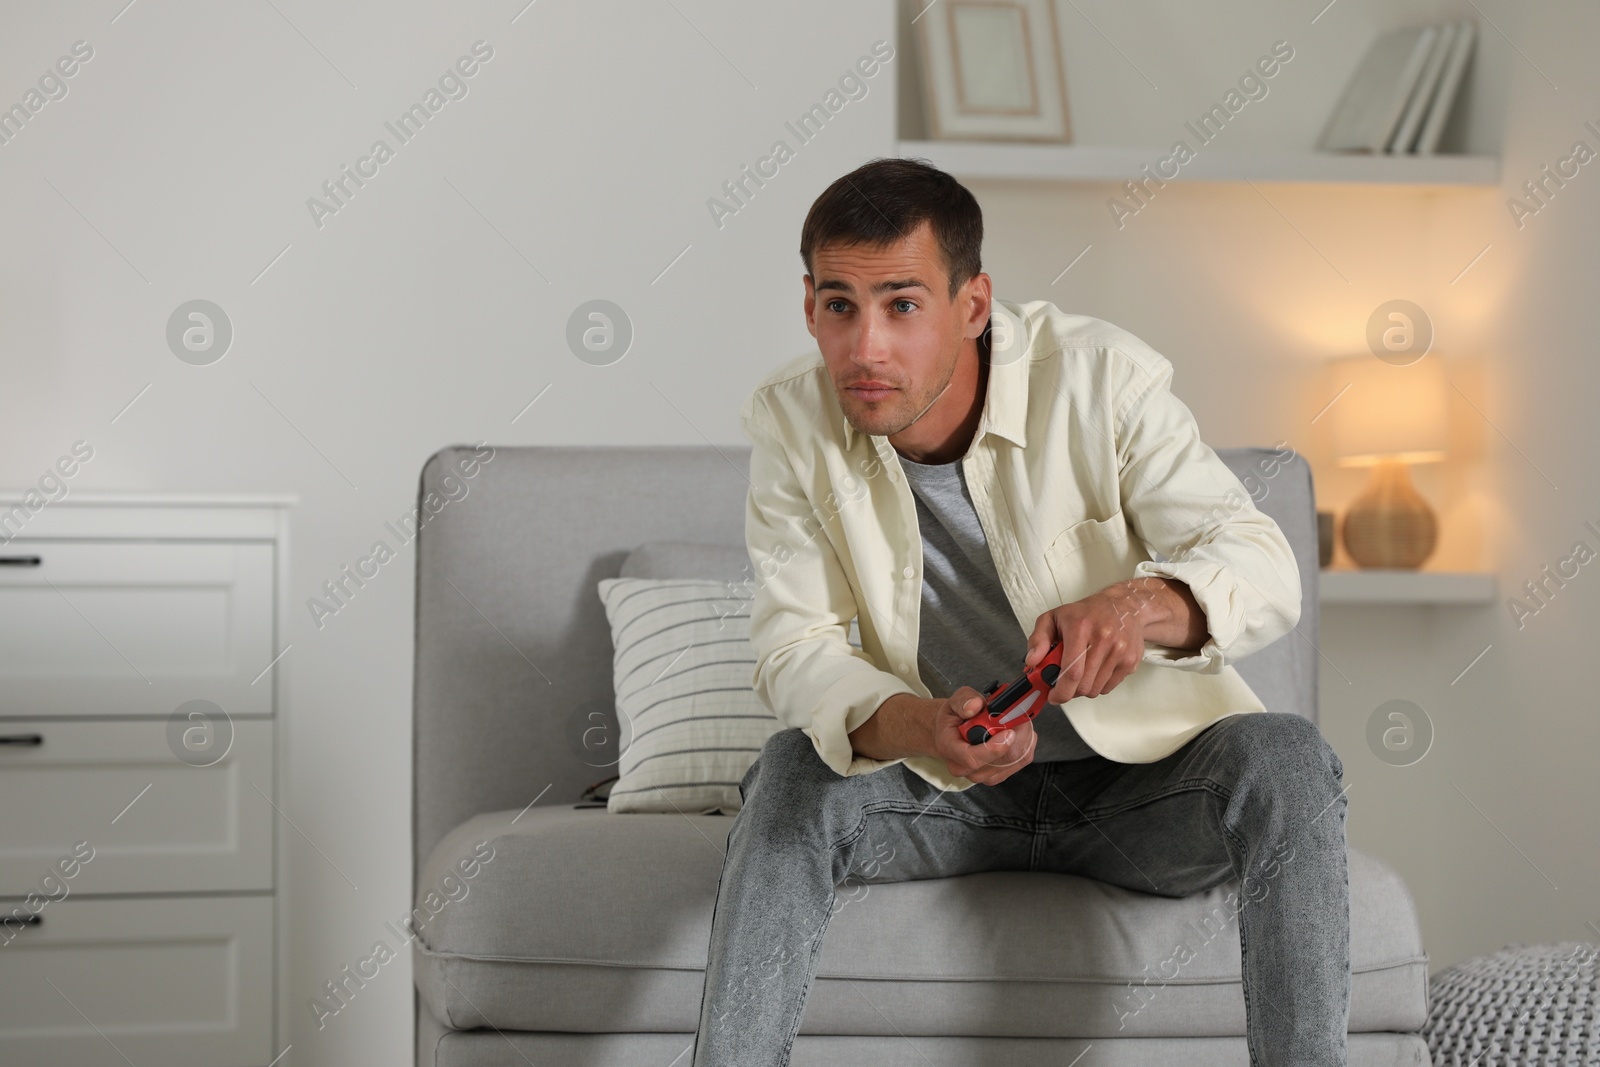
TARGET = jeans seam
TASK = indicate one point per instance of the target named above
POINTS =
(1039, 820)
(702, 1024)
(860, 828)
(1187, 785)
(1244, 947)
(799, 1011)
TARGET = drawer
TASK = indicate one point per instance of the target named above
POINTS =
(134, 627)
(164, 981)
(192, 829)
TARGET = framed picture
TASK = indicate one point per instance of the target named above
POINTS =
(991, 70)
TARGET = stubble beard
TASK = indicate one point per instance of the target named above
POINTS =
(904, 417)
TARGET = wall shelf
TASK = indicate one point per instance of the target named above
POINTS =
(1380, 586)
(1114, 163)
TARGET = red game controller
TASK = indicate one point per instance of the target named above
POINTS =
(1018, 702)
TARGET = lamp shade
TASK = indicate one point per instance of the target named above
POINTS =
(1387, 411)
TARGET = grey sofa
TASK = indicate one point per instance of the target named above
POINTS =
(582, 942)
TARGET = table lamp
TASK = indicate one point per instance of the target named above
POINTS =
(1388, 418)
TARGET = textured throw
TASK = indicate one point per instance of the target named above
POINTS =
(1526, 1004)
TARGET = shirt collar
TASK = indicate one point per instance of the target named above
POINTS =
(1005, 408)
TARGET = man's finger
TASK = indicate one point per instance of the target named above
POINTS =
(1043, 636)
(1102, 675)
(1066, 686)
(997, 742)
(999, 745)
(1117, 676)
(1094, 663)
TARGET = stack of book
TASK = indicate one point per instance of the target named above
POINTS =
(1401, 94)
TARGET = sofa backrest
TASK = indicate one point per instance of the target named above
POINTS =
(513, 651)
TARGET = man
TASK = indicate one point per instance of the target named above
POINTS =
(1045, 461)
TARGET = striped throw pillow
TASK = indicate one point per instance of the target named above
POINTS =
(690, 724)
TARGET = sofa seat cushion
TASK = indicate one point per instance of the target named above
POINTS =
(590, 921)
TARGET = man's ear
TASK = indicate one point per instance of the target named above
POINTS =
(810, 304)
(977, 294)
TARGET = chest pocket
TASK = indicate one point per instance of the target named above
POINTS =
(1088, 556)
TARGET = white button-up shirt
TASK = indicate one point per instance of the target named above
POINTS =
(1083, 467)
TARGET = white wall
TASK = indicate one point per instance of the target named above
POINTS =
(179, 166)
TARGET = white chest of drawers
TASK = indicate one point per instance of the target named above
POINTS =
(141, 849)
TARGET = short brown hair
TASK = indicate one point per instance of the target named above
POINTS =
(885, 199)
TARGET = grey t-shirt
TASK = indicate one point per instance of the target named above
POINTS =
(969, 635)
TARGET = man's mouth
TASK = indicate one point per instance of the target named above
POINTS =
(872, 390)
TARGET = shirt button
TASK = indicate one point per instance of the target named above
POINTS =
(908, 572)
(905, 668)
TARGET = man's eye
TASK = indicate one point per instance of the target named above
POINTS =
(910, 305)
(831, 303)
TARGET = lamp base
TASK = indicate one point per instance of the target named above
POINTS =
(1390, 524)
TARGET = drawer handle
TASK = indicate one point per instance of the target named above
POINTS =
(20, 561)
(22, 920)
(22, 740)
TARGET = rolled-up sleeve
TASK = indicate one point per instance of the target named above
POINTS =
(1185, 503)
(806, 671)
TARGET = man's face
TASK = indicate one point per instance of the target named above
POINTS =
(883, 316)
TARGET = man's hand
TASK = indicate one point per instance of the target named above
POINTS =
(1102, 636)
(1004, 754)
(906, 725)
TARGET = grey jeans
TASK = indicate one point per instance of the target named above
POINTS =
(1254, 796)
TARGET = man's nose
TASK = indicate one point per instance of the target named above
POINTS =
(871, 340)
